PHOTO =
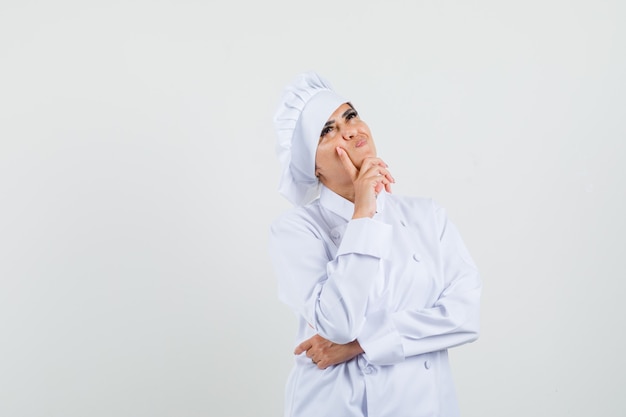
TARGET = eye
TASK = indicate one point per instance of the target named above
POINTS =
(326, 131)
(351, 115)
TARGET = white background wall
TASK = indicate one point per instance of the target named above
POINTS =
(138, 180)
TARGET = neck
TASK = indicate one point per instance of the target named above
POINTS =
(346, 191)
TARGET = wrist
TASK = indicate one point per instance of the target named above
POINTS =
(363, 213)
(357, 349)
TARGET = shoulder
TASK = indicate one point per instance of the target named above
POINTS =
(304, 218)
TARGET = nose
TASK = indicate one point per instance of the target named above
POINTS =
(349, 132)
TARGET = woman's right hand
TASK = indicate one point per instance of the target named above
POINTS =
(325, 353)
(368, 182)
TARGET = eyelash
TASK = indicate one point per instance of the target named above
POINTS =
(349, 116)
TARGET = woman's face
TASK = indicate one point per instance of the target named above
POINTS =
(346, 130)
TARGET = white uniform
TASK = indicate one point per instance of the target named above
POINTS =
(402, 283)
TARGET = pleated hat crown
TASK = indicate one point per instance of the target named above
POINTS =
(304, 108)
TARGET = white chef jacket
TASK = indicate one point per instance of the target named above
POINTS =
(402, 283)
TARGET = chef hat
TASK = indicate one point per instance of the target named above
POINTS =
(304, 108)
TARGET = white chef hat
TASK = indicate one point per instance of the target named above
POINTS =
(304, 108)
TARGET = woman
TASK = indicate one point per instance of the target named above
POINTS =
(382, 285)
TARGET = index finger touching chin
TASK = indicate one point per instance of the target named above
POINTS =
(345, 160)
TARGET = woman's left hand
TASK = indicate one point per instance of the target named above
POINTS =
(325, 353)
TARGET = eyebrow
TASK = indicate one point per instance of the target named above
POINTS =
(344, 115)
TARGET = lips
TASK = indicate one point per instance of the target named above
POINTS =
(360, 143)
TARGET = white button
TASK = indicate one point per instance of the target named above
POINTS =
(427, 364)
(416, 258)
(369, 370)
(335, 234)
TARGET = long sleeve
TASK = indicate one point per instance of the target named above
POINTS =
(330, 291)
(401, 283)
(389, 337)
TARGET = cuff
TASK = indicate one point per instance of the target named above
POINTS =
(380, 340)
(367, 237)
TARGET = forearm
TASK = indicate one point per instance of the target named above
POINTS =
(331, 295)
(390, 337)
(341, 304)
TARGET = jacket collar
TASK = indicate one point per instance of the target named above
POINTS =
(345, 208)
